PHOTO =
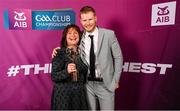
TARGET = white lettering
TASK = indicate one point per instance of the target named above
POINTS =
(148, 68)
(164, 67)
(37, 68)
(54, 18)
(20, 24)
(145, 67)
(125, 67)
(27, 69)
(134, 67)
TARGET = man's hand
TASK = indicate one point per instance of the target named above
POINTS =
(116, 85)
(54, 52)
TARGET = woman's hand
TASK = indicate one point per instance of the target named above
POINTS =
(71, 68)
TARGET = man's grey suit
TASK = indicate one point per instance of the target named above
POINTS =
(109, 57)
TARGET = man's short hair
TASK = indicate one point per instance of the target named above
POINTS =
(86, 9)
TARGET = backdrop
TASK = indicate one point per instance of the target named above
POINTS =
(148, 33)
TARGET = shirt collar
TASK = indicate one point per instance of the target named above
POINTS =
(92, 33)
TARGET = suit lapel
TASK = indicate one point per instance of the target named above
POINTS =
(82, 57)
(100, 39)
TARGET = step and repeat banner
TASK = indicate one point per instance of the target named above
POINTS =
(148, 33)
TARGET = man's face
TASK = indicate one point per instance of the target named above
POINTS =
(88, 21)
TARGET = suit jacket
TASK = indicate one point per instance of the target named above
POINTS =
(109, 57)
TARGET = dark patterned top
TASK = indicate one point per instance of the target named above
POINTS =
(68, 94)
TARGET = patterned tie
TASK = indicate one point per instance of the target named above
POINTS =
(92, 58)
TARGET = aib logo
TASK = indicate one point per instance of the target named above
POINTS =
(19, 19)
(163, 11)
(163, 14)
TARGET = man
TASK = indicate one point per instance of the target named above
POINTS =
(101, 51)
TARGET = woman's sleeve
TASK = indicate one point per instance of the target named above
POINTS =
(59, 68)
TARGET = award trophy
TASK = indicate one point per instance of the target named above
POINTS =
(73, 57)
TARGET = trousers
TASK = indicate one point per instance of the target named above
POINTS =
(98, 93)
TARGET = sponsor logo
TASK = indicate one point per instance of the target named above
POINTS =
(163, 14)
(18, 19)
(45, 20)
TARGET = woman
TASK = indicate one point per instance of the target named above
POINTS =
(69, 73)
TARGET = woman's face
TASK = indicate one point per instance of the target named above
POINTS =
(72, 37)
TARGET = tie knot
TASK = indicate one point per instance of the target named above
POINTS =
(91, 36)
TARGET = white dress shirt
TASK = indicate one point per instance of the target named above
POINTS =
(87, 42)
